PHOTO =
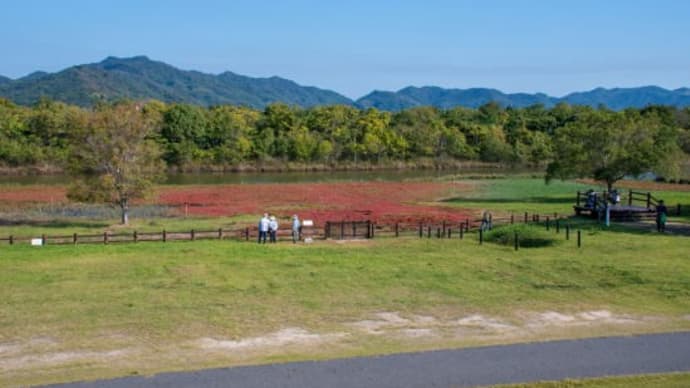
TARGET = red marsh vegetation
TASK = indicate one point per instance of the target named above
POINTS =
(378, 201)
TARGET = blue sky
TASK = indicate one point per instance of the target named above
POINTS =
(354, 47)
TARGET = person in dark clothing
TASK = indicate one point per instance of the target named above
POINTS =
(661, 214)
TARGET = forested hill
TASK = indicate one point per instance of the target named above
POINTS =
(617, 99)
(141, 78)
(449, 98)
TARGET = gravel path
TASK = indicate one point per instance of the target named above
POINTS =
(556, 360)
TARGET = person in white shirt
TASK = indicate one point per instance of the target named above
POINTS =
(296, 226)
(273, 228)
(263, 228)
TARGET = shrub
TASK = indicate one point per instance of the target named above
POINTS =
(529, 236)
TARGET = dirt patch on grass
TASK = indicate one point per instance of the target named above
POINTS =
(283, 337)
(398, 331)
(479, 325)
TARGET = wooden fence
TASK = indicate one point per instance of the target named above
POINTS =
(330, 230)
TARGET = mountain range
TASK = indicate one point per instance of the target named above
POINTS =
(142, 78)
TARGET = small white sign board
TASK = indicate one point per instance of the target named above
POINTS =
(36, 241)
(307, 223)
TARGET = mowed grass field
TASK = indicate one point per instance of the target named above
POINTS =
(92, 311)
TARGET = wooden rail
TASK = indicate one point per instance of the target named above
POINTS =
(330, 230)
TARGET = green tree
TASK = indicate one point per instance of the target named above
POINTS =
(230, 134)
(608, 146)
(115, 159)
(183, 133)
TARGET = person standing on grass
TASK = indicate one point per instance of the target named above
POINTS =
(296, 225)
(263, 228)
(661, 214)
(273, 228)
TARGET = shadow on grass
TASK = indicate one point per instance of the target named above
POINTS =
(52, 223)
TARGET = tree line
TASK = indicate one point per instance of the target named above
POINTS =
(193, 137)
(115, 152)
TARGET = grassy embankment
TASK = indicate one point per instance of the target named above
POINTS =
(72, 313)
(671, 380)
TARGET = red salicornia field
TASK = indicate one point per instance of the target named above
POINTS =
(376, 201)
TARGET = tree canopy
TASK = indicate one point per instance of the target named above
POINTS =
(608, 146)
(114, 157)
(599, 143)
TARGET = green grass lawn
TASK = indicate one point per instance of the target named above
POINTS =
(664, 380)
(155, 301)
(165, 295)
(671, 380)
(533, 195)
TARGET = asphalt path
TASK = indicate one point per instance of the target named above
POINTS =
(555, 360)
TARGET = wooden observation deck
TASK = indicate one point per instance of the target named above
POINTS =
(635, 207)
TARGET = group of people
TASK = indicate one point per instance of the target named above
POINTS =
(613, 197)
(268, 228)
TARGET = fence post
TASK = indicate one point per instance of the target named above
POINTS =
(547, 223)
(444, 227)
(165, 236)
(246, 234)
(467, 225)
(481, 236)
(516, 241)
(373, 228)
(421, 230)
(558, 226)
(74, 238)
(438, 232)
(220, 233)
(449, 232)
(428, 231)
(105, 237)
(567, 232)
(461, 231)
(491, 221)
(577, 199)
(135, 237)
(512, 218)
(397, 230)
(526, 217)
(579, 238)
(11, 240)
(649, 200)
(354, 229)
(630, 197)
(342, 229)
(43, 239)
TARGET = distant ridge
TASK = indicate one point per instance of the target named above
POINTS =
(617, 99)
(448, 98)
(142, 78)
